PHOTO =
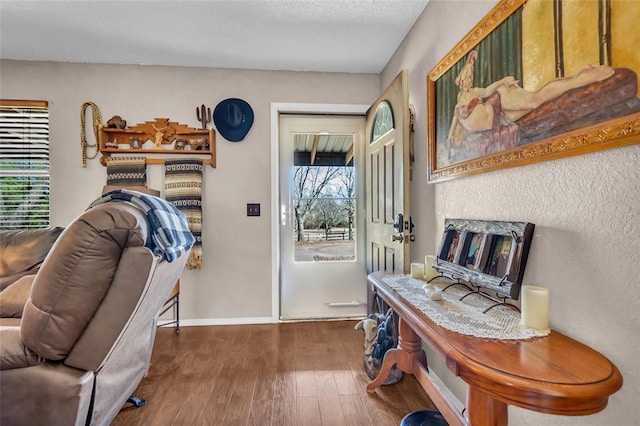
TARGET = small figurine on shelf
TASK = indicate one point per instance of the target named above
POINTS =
(180, 144)
(159, 137)
(204, 116)
(199, 144)
(135, 143)
(116, 122)
(111, 143)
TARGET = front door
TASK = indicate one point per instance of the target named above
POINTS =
(322, 259)
(387, 177)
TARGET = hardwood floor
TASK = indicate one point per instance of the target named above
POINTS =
(306, 373)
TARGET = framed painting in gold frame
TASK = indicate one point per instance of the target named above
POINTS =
(535, 80)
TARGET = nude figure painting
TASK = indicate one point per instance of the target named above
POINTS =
(495, 104)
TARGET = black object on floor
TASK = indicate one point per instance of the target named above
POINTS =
(424, 418)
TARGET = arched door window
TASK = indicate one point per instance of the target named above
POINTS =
(383, 120)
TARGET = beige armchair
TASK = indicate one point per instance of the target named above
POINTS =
(86, 335)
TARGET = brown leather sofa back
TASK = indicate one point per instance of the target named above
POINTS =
(74, 279)
(116, 310)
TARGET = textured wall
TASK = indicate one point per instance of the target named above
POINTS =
(587, 214)
(236, 279)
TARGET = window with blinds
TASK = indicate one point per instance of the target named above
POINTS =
(24, 164)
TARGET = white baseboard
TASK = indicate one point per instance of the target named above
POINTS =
(254, 320)
(447, 393)
(219, 321)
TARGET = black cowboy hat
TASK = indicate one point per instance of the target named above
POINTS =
(233, 118)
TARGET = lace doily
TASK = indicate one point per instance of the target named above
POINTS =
(466, 316)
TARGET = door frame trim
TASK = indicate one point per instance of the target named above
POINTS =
(296, 108)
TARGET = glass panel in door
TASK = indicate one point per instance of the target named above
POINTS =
(322, 269)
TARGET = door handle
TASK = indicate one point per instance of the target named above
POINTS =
(397, 237)
(399, 222)
(401, 225)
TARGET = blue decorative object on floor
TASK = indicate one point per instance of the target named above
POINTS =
(424, 418)
(138, 402)
(377, 345)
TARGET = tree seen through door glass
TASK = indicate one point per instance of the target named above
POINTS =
(324, 202)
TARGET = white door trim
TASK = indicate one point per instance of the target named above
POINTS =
(276, 109)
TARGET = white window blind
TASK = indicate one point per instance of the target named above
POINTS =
(24, 164)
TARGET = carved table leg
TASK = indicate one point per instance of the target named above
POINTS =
(406, 356)
(389, 360)
(483, 410)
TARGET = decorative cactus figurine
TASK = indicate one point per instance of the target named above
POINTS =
(204, 116)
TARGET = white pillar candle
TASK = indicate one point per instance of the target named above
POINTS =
(535, 307)
(429, 272)
(417, 270)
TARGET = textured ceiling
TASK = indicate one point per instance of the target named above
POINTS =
(306, 35)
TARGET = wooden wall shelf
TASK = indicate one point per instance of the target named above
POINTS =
(164, 135)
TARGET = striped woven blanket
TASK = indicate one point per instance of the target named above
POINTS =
(183, 189)
(126, 171)
(170, 236)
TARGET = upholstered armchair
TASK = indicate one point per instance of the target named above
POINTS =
(86, 334)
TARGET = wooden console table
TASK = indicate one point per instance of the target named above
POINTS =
(553, 374)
